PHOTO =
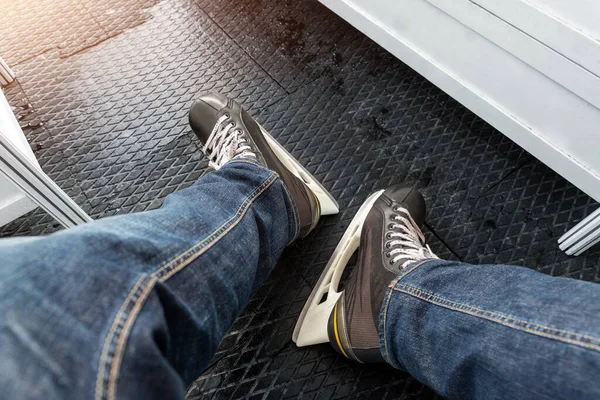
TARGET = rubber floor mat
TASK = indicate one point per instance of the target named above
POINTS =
(115, 135)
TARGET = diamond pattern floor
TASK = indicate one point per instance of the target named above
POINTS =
(108, 124)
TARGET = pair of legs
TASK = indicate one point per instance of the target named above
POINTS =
(134, 306)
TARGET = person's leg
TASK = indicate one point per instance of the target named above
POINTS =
(487, 331)
(134, 306)
(493, 331)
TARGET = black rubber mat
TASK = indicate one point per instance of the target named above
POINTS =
(294, 41)
(115, 136)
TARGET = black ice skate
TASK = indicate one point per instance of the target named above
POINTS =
(386, 231)
(228, 131)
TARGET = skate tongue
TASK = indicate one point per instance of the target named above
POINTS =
(408, 243)
(226, 143)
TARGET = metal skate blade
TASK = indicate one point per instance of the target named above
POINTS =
(311, 327)
(327, 202)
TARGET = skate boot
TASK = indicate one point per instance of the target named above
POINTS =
(386, 231)
(228, 131)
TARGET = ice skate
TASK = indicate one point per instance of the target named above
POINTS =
(386, 231)
(228, 131)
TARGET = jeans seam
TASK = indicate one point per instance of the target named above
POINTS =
(385, 311)
(166, 270)
(502, 319)
(402, 274)
(122, 324)
(160, 275)
(122, 341)
(104, 358)
(285, 189)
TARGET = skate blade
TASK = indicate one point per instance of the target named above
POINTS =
(311, 327)
(327, 202)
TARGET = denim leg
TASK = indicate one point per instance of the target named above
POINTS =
(493, 331)
(134, 306)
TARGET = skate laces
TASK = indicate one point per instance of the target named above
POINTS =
(409, 243)
(226, 143)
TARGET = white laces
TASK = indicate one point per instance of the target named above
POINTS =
(225, 143)
(410, 241)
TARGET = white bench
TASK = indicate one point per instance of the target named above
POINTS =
(530, 68)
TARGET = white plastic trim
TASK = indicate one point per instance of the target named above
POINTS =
(6, 74)
(311, 327)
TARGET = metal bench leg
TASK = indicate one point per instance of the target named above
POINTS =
(38, 186)
(6, 74)
(583, 236)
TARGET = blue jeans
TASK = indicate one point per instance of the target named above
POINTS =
(134, 306)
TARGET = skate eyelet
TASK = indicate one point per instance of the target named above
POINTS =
(391, 226)
(233, 124)
(387, 254)
(387, 245)
(392, 262)
(227, 115)
(388, 236)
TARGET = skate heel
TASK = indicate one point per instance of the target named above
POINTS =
(327, 203)
(311, 327)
